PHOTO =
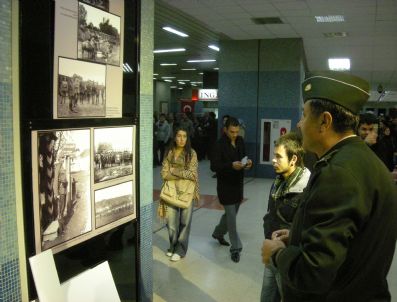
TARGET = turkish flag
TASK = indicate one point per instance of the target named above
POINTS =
(187, 106)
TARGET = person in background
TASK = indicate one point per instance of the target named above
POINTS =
(180, 163)
(386, 147)
(226, 161)
(163, 134)
(343, 236)
(284, 199)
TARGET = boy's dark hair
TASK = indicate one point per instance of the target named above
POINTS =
(367, 118)
(292, 143)
(232, 121)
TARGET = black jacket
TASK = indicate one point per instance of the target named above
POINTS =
(229, 181)
(344, 233)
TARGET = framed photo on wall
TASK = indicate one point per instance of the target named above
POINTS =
(81, 89)
(68, 206)
(98, 37)
(113, 153)
(61, 185)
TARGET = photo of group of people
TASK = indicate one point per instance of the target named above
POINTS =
(66, 197)
(82, 90)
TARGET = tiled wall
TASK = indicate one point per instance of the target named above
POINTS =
(9, 262)
(260, 79)
(145, 149)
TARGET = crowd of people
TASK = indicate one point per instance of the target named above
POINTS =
(329, 231)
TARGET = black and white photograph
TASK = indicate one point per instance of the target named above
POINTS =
(113, 153)
(113, 203)
(64, 194)
(98, 37)
(102, 4)
(81, 89)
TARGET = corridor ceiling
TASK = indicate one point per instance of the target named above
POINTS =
(368, 34)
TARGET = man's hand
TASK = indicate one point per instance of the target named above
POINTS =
(248, 165)
(282, 235)
(269, 247)
(237, 165)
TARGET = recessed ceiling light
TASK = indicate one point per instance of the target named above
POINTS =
(188, 69)
(169, 50)
(201, 61)
(168, 64)
(174, 31)
(340, 34)
(336, 18)
(213, 47)
(339, 64)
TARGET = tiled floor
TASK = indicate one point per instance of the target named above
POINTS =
(207, 274)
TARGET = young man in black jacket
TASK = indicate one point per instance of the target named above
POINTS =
(229, 164)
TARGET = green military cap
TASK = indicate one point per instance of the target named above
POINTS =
(344, 89)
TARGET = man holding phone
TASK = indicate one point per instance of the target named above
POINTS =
(229, 162)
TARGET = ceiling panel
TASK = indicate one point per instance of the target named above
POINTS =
(371, 26)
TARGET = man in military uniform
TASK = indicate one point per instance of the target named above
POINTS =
(342, 240)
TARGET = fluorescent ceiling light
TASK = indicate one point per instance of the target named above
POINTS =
(154, 78)
(336, 18)
(174, 31)
(155, 74)
(183, 80)
(168, 64)
(188, 69)
(216, 68)
(201, 61)
(180, 88)
(182, 83)
(213, 47)
(168, 81)
(197, 82)
(172, 87)
(194, 85)
(339, 64)
(168, 77)
(127, 67)
(201, 73)
(169, 50)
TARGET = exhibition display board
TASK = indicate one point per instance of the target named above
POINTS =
(79, 132)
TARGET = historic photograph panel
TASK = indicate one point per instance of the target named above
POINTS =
(113, 153)
(113, 203)
(98, 37)
(81, 89)
(103, 4)
(63, 181)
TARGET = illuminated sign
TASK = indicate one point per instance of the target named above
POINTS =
(208, 94)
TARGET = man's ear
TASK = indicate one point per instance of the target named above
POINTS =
(326, 121)
(293, 160)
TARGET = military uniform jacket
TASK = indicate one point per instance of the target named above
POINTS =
(344, 233)
(230, 182)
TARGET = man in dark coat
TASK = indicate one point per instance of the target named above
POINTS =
(226, 161)
(342, 240)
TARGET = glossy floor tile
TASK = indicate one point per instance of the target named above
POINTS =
(207, 273)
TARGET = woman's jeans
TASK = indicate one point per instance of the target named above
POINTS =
(178, 225)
